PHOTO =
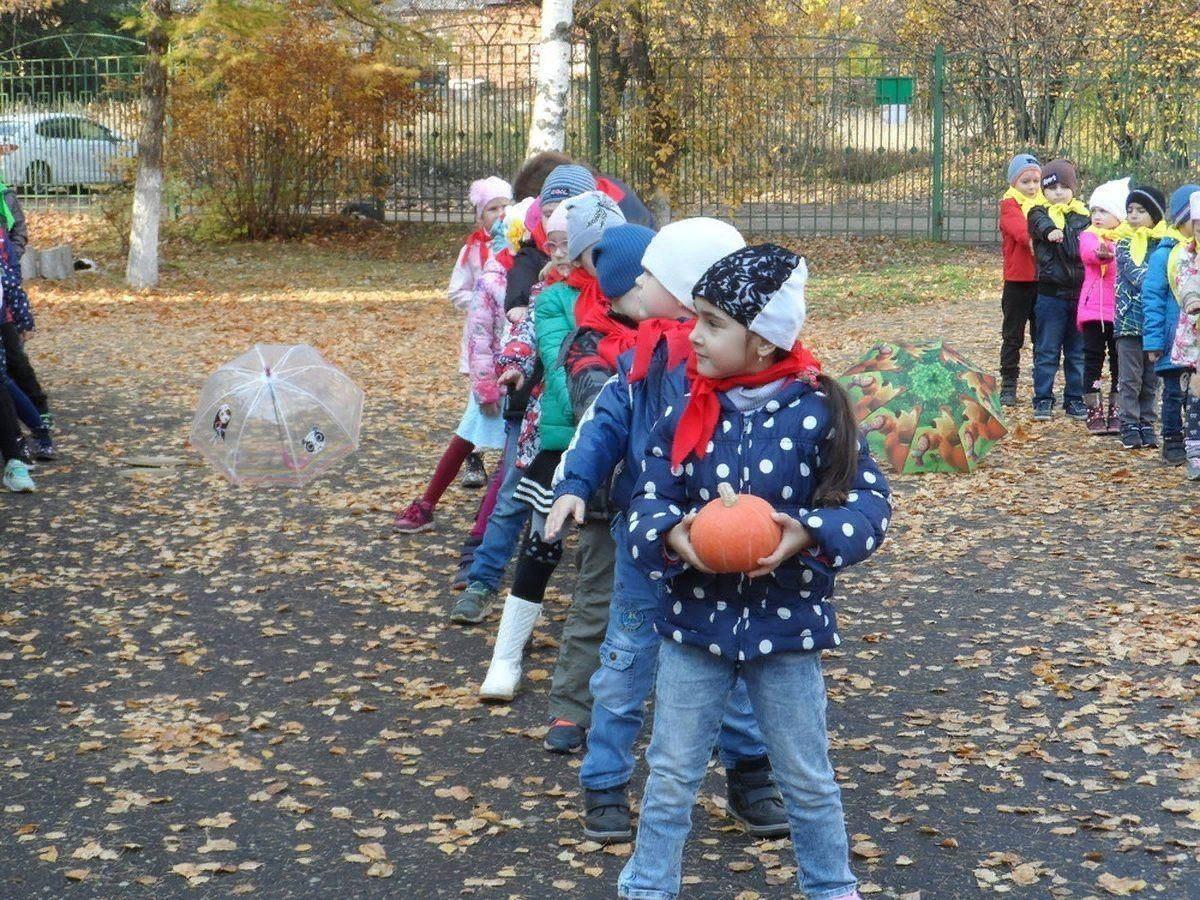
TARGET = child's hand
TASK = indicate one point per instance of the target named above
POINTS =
(1191, 305)
(517, 314)
(1153, 355)
(1106, 250)
(1056, 236)
(490, 409)
(795, 538)
(568, 506)
(511, 378)
(679, 539)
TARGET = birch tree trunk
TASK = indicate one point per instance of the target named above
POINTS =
(548, 129)
(141, 270)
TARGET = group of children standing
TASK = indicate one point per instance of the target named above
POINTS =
(22, 399)
(632, 372)
(1113, 281)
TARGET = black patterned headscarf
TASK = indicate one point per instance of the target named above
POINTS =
(760, 287)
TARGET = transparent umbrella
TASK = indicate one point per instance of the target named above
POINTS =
(278, 414)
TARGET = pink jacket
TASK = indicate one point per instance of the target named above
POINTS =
(1097, 298)
(466, 272)
(485, 330)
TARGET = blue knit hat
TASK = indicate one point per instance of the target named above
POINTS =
(1181, 201)
(1020, 163)
(618, 258)
(566, 181)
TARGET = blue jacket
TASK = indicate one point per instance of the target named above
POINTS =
(1160, 309)
(616, 428)
(774, 453)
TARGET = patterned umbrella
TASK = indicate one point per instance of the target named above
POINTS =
(277, 414)
(925, 407)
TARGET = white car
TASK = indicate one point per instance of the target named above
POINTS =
(60, 149)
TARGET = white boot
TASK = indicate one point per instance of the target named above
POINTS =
(516, 625)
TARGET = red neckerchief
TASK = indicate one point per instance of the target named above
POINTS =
(481, 239)
(699, 418)
(591, 311)
(505, 259)
(676, 332)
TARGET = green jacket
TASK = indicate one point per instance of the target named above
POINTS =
(554, 324)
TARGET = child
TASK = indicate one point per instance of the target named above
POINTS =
(485, 332)
(1020, 271)
(615, 431)
(521, 374)
(560, 309)
(1136, 381)
(480, 426)
(1160, 309)
(17, 324)
(1055, 230)
(1185, 350)
(761, 418)
(16, 472)
(1097, 301)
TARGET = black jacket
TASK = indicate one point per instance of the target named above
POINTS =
(1060, 270)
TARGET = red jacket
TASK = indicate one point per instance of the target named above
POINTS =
(1014, 239)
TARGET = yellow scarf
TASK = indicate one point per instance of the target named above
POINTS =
(1058, 211)
(1026, 203)
(1139, 238)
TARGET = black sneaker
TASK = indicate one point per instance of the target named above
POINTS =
(465, 558)
(1008, 395)
(1043, 412)
(606, 816)
(23, 452)
(1076, 410)
(474, 604)
(44, 445)
(474, 475)
(1131, 438)
(1149, 437)
(1173, 452)
(564, 737)
(754, 800)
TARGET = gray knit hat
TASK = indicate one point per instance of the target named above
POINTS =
(1020, 163)
(588, 215)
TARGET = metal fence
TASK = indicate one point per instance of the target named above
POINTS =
(809, 136)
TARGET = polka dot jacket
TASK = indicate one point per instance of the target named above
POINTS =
(772, 452)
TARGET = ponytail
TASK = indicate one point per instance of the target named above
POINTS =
(839, 455)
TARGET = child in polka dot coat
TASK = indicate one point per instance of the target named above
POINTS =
(759, 417)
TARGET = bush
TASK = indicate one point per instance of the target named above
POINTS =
(268, 126)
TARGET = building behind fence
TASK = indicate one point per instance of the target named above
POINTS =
(847, 138)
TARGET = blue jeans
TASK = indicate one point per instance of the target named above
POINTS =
(788, 695)
(622, 683)
(504, 524)
(1172, 403)
(1057, 336)
(27, 412)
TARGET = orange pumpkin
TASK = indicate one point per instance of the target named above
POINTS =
(735, 531)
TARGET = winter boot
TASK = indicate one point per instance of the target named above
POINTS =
(1008, 394)
(1173, 453)
(1112, 424)
(474, 474)
(1096, 422)
(516, 625)
(606, 816)
(754, 800)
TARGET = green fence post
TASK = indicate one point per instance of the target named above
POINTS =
(937, 222)
(593, 126)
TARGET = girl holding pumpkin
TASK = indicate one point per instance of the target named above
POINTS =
(760, 417)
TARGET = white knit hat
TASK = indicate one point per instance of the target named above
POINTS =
(1111, 197)
(589, 215)
(1195, 206)
(683, 251)
(558, 219)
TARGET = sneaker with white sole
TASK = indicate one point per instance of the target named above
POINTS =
(16, 477)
